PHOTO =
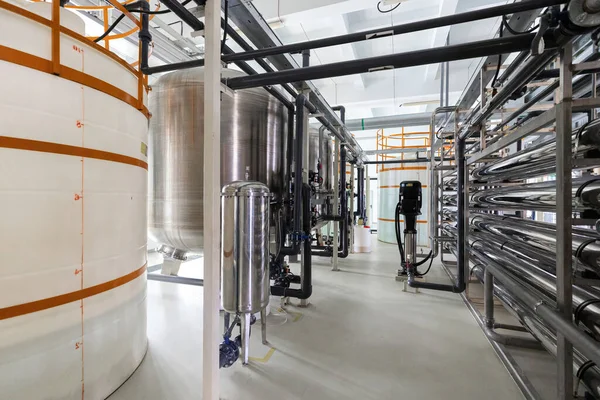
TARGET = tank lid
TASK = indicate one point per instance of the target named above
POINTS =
(246, 188)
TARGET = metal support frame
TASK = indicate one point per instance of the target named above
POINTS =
(352, 217)
(212, 209)
(563, 220)
(336, 204)
(176, 279)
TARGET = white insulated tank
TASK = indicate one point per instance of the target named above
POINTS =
(73, 212)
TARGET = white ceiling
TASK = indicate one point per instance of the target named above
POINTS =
(366, 95)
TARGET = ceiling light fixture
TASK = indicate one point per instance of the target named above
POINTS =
(275, 23)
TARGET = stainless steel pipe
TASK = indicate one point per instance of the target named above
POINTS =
(538, 196)
(547, 337)
(537, 160)
(528, 272)
(540, 238)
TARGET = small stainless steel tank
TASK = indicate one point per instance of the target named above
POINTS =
(245, 246)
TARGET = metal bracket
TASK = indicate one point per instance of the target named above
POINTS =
(227, 90)
(537, 44)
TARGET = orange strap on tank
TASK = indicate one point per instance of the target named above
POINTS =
(51, 302)
(56, 148)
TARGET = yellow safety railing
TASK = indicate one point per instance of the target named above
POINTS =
(402, 140)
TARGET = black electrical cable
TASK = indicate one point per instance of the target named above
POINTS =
(398, 233)
(226, 26)
(110, 28)
(514, 32)
(430, 263)
(386, 11)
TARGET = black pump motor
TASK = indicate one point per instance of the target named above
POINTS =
(410, 198)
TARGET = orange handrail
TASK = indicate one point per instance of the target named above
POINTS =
(54, 65)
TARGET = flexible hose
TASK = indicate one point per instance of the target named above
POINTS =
(398, 233)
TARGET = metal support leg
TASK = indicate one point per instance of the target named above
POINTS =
(351, 227)
(489, 324)
(563, 221)
(263, 325)
(336, 204)
(245, 321)
(212, 211)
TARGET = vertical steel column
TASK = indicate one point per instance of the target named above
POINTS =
(594, 82)
(465, 193)
(336, 203)
(352, 218)
(482, 84)
(212, 210)
(564, 220)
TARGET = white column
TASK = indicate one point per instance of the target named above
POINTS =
(212, 209)
(367, 195)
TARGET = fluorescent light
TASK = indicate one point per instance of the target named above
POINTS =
(275, 23)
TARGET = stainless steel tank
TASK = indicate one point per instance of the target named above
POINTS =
(321, 151)
(253, 147)
(320, 154)
(245, 246)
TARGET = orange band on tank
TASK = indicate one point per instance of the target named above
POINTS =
(51, 302)
(54, 67)
(56, 148)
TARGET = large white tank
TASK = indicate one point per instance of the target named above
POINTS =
(73, 184)
(389, 185)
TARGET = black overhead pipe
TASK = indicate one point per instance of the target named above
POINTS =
(360, 204)
(305, 290)
(233, 35)
(460, 285)
(144, 35)
(469, 16)
(412, 161)
(184, 14)
(480, 48)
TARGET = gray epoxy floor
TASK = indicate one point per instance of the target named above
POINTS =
(361, 338)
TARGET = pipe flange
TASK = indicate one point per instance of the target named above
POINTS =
(538, 304)
(584, 13)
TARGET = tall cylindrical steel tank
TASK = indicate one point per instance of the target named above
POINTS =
(245, 246)
(73, 211)
(253, 147)
(321, 154)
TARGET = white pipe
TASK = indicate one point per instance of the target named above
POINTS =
(390, 121)
(212, 212)
(368, 196)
